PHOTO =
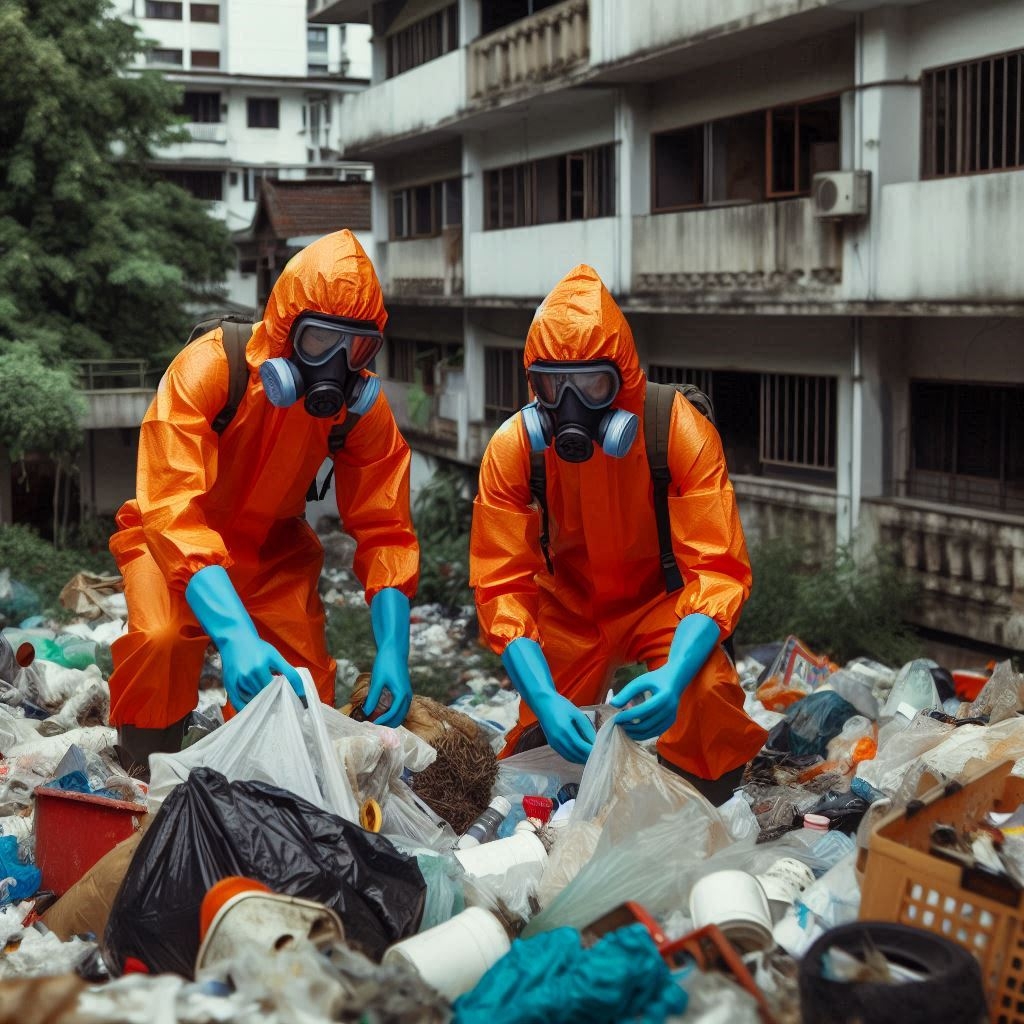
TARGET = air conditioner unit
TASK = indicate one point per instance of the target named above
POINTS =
(841, 193)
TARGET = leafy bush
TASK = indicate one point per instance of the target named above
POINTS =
(37, 565)
(845, 609)
(443, 515)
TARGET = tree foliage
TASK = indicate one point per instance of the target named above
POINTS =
(98, 255)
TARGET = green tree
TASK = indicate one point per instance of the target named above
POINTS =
(98, 256)
(40, 410)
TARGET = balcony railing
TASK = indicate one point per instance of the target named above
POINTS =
(770, 509)
(208, 132)
(115, 374)
(543, 46)
(969, 564)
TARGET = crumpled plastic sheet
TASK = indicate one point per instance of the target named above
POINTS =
(899, 747)
(165, 999)
(43, 953)
(1001, 697)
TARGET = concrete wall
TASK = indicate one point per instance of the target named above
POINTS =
(123, 407)
(953, 239)
(951, 31)
(266, 36)
(107, 470)
(407, 103)
(529, 262)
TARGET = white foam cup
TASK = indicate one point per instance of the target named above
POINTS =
(736, 903)
(454, 956)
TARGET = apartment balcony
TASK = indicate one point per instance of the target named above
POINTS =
(423, 267)
(217, 132)
(117, 392)
(413, 102)
(771, 509)
(541, 48)
(968, 562)
(952, 239)
(774, 252)
(528, 262)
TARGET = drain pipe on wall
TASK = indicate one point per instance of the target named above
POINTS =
(857, 427)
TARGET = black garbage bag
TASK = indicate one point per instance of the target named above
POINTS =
(209, 828)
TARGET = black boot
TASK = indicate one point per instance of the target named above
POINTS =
(134, 745)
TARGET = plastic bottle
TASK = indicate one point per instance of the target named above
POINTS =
(486, 826)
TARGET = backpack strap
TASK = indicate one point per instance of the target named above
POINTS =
(236, 337)
(657, 420)
(539, 492)
(335, 442)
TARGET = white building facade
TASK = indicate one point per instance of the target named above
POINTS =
(862, 335)
(262, 92)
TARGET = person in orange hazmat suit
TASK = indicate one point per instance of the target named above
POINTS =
(215, 546)
(563, 634)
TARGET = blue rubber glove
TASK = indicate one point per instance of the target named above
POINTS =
(694, 640)
(569, 732)
(249, 663)
(389, 615)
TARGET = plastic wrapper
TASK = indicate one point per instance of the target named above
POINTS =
(913, 691)
(856, 689)
(412, 826)
(1001, 697)
(444, 879)
(209, 828)
(42, 953)
(511, 896)
(812, 724)
(793, 674)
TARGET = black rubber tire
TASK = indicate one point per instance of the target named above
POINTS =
(951, 992)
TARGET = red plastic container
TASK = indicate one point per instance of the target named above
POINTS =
(74, 830)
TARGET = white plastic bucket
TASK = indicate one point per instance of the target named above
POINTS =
(455, 955)
(498, 856)
(735, 901)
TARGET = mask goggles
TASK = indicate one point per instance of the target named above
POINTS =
(316, 338)
(595, 383)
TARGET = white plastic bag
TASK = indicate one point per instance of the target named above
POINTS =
(273, 740)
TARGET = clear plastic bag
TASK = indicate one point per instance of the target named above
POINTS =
(1001, 697)
(899, 746)
(913, 691)
(273, 740)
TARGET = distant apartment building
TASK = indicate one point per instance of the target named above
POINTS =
(262, 91)
(814, 209)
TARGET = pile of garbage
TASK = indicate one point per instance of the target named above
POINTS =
(296, 863)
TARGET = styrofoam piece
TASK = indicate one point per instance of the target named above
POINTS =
(454, 956)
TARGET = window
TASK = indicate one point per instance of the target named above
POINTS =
(204, 12)
(414, 362)
(505, 390)
(802, 140)
(316, 38)
(159, 55)
(263, 113)
(973, 117)
(201, 107)
(164, 10)
(206, 58)
(498, 13)
(316, 69)
(798, 415)
(423, 41)
(779, 424)
(422, 211)
(202, 184)
(251, 178)
(743, 159)
(967, 444)
(575, 186)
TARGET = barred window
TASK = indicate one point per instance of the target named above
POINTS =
(973, 116)
(422, 41)
(798, 421)
(414, 362)
(201, 107)
(505, 388)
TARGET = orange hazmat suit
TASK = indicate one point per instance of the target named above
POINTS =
(237, 500)
(605, 604)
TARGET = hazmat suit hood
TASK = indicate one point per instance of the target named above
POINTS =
(579, 320)
(333, 276)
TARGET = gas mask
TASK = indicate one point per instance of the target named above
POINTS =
(574, 410)
(327, 354)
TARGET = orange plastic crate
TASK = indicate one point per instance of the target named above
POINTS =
(903, 882)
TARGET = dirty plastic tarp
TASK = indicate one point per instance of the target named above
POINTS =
(209, 828)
